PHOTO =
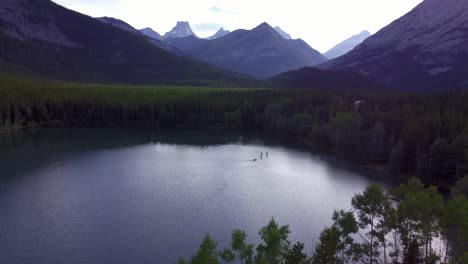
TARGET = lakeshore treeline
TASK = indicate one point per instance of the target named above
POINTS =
(409, 225)
(404, 135)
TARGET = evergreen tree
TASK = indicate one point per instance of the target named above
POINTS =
(207, 253)
(327, 250)
(296, 255)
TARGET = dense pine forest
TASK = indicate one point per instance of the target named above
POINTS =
(409, 224)
(404, 135)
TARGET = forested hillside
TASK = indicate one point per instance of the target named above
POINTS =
(408, 135)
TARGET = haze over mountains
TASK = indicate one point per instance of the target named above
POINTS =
(425, 49)
(347, 45)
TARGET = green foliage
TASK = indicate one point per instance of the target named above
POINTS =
(275, 243)
(327, 250)
(370, 207)
(244, 251)
(455, 225)
(296, 255)
(346, 224)
(419, 211)
(345, 130)
(463, 259)
(404, 225)
(207, 253)
(227, 255)
(461, 188)
(413, 254)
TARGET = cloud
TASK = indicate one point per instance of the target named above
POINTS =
(219, 10)
(216, 9)
(207, 26)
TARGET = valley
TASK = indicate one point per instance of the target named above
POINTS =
(132, 130)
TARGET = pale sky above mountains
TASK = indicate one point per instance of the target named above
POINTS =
(321, 23)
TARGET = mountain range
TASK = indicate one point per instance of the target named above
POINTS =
(261, 52)
(146, 32)
(347, 45)
(40, 37)
(425, 49)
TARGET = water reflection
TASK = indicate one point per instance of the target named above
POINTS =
(142, 196)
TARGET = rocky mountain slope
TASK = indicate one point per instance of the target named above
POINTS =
(42, 38)
(425, 49)
(182, 29)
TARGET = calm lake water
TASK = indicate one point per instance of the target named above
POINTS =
(140, 196)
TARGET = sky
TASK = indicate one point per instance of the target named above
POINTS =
(321, 23)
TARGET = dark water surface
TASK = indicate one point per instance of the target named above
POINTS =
(141, 196)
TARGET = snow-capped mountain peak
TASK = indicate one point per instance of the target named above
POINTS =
(182, 29)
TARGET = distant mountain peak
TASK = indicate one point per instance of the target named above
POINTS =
(365, 32)
(283, 33)
(425, 49)
(347, 45)
(220, 33)
(261, 52)
(182, 29)
(263, 25)
(151, 33)
(265, 28)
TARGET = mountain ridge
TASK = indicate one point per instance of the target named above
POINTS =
(151, 33)
(43, 38)
(260, 52)
(219, 34)
(282, 33)
(347, 45)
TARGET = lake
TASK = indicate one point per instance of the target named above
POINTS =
(148, 196)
